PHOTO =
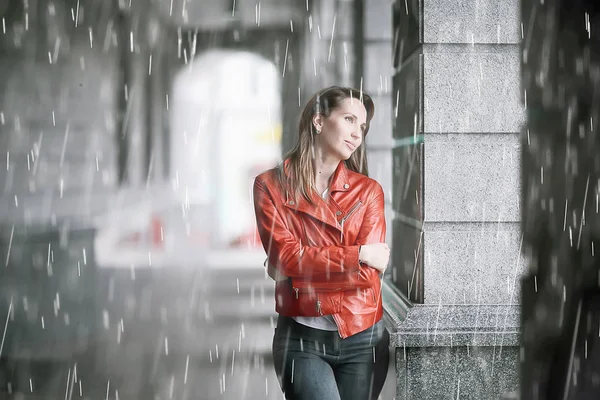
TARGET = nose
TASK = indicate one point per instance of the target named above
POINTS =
(357, 133)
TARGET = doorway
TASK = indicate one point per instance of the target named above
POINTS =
(225, 128)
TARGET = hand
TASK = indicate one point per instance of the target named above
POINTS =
(376, 255)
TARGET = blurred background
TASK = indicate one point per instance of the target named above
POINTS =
(131, 132)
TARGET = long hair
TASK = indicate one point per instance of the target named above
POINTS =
(299, 178)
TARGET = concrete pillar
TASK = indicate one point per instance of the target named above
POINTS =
(133, 144)
(157, 149)
(456, 196)
(456, 151)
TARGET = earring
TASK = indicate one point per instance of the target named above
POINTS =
(318, 131)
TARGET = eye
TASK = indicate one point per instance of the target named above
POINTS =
(349, 119)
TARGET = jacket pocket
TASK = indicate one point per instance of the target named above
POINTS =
(313, 302)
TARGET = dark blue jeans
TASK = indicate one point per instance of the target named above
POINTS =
(315, 364)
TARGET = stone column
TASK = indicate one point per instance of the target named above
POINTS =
(456, 152)
(133, 138)
(157, 154)
(456, 240)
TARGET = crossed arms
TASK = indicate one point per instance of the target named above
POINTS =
(287, 257)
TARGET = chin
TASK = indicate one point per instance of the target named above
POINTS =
(344, 153)
(347, 156)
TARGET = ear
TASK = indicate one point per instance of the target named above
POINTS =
(317, 121)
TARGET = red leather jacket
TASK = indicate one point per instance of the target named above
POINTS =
(316, 248)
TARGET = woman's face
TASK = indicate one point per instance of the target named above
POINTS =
(343, 130)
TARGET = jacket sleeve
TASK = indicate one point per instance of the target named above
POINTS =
(287, 254)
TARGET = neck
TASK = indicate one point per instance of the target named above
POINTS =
(324, 169)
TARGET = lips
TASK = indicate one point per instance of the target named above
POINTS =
(350, 145)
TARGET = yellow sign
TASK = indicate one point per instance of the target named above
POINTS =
(272, 135)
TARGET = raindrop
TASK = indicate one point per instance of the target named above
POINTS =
(187, 365)
(6, 326)
(232, 361)
(257, 11)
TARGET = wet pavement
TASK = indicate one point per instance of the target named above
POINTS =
(169, 333)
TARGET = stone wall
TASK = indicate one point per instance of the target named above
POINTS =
(456, 197)
(456, 151)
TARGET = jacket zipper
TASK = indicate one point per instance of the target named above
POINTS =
(318, 302)
(352, 210)
(297, 290)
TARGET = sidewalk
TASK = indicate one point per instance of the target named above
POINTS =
(236, 259)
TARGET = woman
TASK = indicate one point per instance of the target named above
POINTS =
(321, 221)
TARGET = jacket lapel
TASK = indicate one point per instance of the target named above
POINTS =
(321, 211)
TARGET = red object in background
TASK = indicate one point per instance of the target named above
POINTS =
(248, 240)
(156, 232)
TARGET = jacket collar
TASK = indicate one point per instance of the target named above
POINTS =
(339, 180)
(339, 183)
